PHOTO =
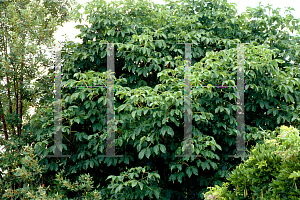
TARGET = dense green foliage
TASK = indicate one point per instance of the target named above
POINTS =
(272, 172)
(26, 29)
(149, 97)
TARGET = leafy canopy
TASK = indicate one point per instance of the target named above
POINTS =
(149, 95)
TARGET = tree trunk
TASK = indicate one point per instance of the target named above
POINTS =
(20, 101)
(17, 98)
(9, 102)
(5, 136)
(3, 121)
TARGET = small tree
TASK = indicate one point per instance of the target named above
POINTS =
(25, 27)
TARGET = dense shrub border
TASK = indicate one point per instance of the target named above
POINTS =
(271, 173)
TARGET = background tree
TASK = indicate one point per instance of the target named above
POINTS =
(26, 27)
(149, 95)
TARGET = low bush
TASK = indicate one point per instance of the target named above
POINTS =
(270, 173)
(23, 179)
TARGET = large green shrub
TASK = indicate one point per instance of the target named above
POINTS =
(149, 96)
(271, 173)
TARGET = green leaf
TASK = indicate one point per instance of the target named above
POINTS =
(148, 153)
(156, 193)
(278, 119)
(172, 178)
(59, 147)
(189, 171)
(205, 165)
(179, 177)
(87, 104)
(227, 110)
(142, 153)
(275, 64)
(172, 167)
(294, 174)
(77, 120)
(121, 107)
(195, 170)
(162, 148)
(93, 118)
(179, 166)
(74, 96)
(261, 104)
(82, 96)
(170, 131)
(145, 111)
(133, 183)
(141, 185)
(133, 114)
(156, 149)
(91, 164)
(119, 188)
(163, 130)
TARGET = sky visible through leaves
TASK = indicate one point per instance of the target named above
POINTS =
(70, 32)
(67, 31)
